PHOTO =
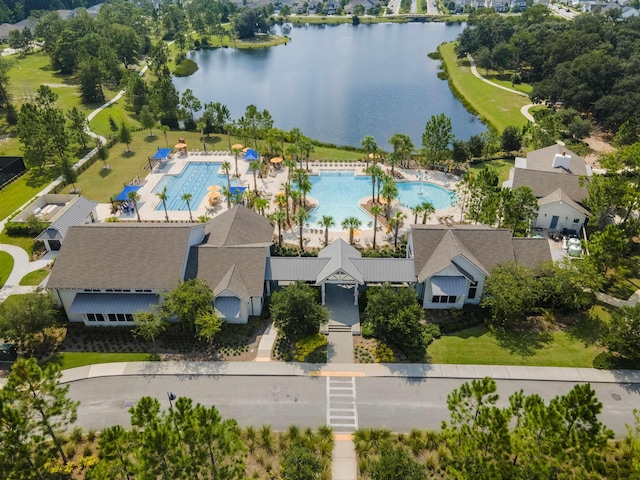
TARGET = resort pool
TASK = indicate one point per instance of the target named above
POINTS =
(338, 193)
(194, 179)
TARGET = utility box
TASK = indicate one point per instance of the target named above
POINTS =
(8, 352)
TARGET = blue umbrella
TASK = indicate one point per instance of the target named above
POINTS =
(251, 155)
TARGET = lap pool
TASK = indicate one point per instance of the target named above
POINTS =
(338, 193)
(194, 179)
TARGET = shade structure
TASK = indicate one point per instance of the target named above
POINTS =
(281, 193)
(251, 155)
(276, 160)
(124, 194)
(213, 188)
(245, 149)
(373, 155)
(180, 146)
(453, 286)
(237, 190)
(161, 154)
(237, 146)
(356, 232)
(214, 195)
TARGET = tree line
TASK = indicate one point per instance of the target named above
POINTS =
(588, 64)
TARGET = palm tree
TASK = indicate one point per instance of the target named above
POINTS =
(261, 204)
(351, 223)
(296, 200)
(282, 202)
(279, 216)
(163, 198)
(369, 146)
(417, 210)
(236, 151)
(134, 198)
(326, 222)
(306, 147)
(375, 171)
(301, 217)
(293, 152)
(255, 167)
(389, 192)
(226, 191)
(187, 198)
(226, 166)
(164, 129)
(201, 125)
(402, 146)
(376, 210)
(396, 223)
(290, 163)
(427, 209)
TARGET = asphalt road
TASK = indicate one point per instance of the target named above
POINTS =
(395, 403)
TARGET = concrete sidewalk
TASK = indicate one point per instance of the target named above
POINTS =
(400, 370)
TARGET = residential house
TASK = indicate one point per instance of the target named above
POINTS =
(553, 173)
(331, 7)
(78, 211)
(452, 263)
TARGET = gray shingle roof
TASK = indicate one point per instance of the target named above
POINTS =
(239, 226)
(435, 246)
(531, 252)
(542, 160)
(74, 214)
(241, 270)
(559, 196)
(544, 183)
(119, 255)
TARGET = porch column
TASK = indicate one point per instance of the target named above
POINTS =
(323, 294)
(356, 293)
(268, 282)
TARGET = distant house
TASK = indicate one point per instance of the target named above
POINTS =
(452, 263)
(553, 173)
(499, 5)
(332, 7)
(366, 4)
(78, 211)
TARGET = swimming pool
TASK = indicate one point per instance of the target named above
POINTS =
(194, 179)
(338, 193)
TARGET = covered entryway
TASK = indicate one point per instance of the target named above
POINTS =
(343, 315)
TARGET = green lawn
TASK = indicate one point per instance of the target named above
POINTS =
(624, 280)
(6, 266)
(479, 346)
(498, 107)
(503, 166)
(16, 194)
(35, 278)
(79, 359)
(504, 79)
(26, 243)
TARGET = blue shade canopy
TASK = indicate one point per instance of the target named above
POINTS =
(161, 154)
(237, 190)
(251, 155)
(124, 194)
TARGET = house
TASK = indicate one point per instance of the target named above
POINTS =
(366, 4)
(499, 6)
(331, 7)
(553, 173)
(79, 211)
(452, 263)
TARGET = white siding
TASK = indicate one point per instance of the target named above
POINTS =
(566, 214)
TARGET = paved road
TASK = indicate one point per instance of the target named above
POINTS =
(396, 403)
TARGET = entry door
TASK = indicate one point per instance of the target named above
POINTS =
(554, 222)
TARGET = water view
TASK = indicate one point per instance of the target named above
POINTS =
(339, 83)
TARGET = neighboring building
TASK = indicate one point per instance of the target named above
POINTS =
(332, 7)
(553, 173)
(78, 211)
(452, 263)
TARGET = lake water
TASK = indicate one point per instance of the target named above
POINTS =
(339, 83)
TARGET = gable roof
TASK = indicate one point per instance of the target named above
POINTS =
(122, 256)
(240, 270)
(340, 254)
(435, 247)
(239, 226)
(559, 196)
(544, 183)
(74, 214)
(542, 160)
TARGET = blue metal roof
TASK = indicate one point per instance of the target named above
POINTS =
(236, 190)
(229, 307)
(113, 302)
(123, 196)
(454, 286)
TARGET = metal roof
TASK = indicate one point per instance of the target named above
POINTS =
(74, 214)
(386, 269)
(340, 254)
(229, 307)
(441, 285)
(294, 268)
(112, 302)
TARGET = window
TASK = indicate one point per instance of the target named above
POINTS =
(113, 317)
(452, 299)
(435, 299)
(443, 299)
(91, 317)
(576, 220)
(99, 317)
(473, 288)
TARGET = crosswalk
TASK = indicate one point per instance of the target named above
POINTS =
(342, 414)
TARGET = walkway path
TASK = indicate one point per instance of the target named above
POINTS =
(265, 347)
(21, 266)
(343, 317)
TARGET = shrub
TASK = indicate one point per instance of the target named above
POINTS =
(30, 228)
(384, 354)
(185, 68)
(306, 346)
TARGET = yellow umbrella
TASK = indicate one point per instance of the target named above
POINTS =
(180, 146)
(356, 232)
(214, 195)
(244, 150)
(276, 160)
(237, 146)
(214, 188)
(281, 194)
(371, 155)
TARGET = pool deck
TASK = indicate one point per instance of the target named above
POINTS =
(270, 186)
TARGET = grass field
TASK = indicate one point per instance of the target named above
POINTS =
(80, 359)
(16, 194)
(26, 243)
(505, 80)
(480, 346)
(35, 278)
(6, 266)
(498, 107)
(503, 167)
(624, 280)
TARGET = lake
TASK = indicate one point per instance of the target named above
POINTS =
(339, 83)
